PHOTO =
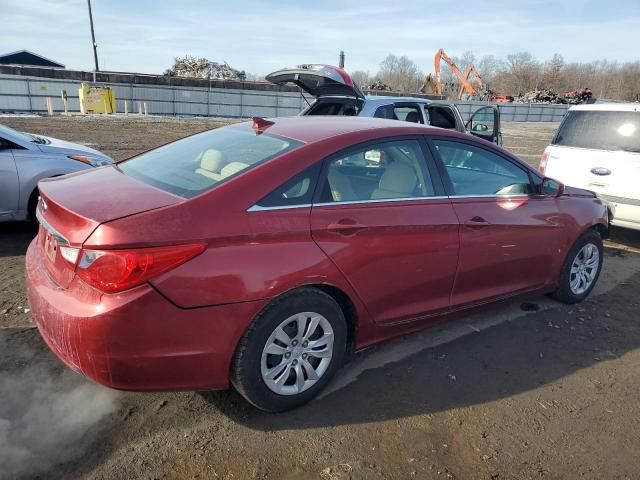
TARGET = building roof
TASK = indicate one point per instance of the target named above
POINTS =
(27, 58)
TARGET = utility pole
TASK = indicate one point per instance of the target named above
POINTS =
(341, 61)
(93, 40)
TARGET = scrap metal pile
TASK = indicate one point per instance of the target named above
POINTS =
(192, 67)
(378, 85)
(582, 95)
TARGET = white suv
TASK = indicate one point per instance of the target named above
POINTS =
(597, 147)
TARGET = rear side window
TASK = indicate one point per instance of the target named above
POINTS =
(406, 113)
(600, 130)
(476, 171)
(198, 163)
(295, 192)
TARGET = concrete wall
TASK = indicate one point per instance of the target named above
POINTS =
(27, 94)
(519, 112)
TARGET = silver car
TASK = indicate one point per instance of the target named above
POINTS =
(336, 93)
(26, 159)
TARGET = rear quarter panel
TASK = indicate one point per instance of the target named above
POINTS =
(34, 166)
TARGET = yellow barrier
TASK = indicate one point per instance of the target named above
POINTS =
(96, 99)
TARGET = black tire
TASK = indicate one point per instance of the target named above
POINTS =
(32, 206)
(246, 374)
(564, 293)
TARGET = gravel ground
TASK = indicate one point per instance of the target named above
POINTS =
(500, 394)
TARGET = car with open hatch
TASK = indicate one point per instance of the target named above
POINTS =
(335, 93)
(263, 253)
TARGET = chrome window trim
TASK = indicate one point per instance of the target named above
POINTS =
(57, 235)
(382, 200)
(258, 208)
(507, 196)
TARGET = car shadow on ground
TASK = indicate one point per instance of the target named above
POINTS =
(15, 238)
(503, 361)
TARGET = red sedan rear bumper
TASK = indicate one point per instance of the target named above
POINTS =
(135, 340)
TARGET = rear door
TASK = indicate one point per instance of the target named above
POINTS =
(599, 151)
(9, 182)
(509, 238)
(443, 116)
(382, 217)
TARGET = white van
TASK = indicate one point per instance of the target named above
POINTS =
(597, 147)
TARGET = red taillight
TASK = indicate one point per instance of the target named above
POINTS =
(116, 270)
(543, 160)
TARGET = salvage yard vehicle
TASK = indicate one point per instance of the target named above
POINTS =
(26, 159)
(597, 147)
(263, 253)
(336, 93)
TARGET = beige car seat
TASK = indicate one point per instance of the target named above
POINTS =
(399, 180)
(211, 164)
(341, 189)
(214, 166)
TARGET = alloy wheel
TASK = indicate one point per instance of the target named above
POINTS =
(584, 268)
(297, 353)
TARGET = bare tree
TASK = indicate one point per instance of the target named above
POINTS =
(520, 74)
(362, 78)
(400, 73)
(552, 74)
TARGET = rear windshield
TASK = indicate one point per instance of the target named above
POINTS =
(195, 164)
(600, 130)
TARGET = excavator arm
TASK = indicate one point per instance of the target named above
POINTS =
(478, 80)
(465, 85)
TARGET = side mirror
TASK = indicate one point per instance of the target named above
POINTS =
(552, 188)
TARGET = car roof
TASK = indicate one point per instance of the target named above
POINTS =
(309, 129)
(608, 107)
(383, 99)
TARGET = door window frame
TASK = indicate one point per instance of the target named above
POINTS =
(446, 180)
(430, 168)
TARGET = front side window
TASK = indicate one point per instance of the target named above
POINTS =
(476, 171)
(441, 116)
(390, 170)
(196, 164)
(600, 130)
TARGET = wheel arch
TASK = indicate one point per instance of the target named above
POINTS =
(348, 309)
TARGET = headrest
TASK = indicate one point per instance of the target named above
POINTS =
(399, 177)
(212, 160)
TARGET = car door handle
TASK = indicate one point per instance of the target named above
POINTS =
(476, 222)
(346, 227)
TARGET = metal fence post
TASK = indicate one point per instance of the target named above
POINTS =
(29, 95)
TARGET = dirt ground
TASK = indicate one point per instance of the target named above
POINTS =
(501, 394)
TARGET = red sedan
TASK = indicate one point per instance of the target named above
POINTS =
(262, 253)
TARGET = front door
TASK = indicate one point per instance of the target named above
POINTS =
(382, 217)
(485, 123)
(9, 185)
(508, 237)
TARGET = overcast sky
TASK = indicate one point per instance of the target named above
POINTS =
(145, 35)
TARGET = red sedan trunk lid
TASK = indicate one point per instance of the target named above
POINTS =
(72, 206)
